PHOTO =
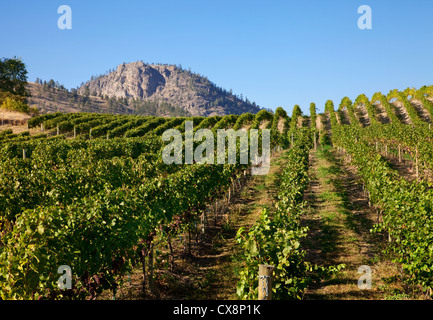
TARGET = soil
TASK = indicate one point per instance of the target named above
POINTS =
(361, 112)
(319, 123)
(19, 128)
(381, 113)
(422, 112)
(401, 112)
(344, 115)
(280, 126)
(264, 124)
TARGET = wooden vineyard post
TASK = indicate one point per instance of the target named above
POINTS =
(42, 127)
(58, 130)
(265, 281)
(416, 163)
(75, 132)
(24, 153)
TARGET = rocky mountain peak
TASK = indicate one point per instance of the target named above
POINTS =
(167, 83)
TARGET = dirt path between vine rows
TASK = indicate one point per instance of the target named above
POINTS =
(340, 220)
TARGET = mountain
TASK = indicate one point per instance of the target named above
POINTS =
(137, 83)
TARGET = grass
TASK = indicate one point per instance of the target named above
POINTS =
(339, 235)
(340, 220)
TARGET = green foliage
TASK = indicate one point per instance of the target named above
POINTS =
(324, 139)
(347, 103)
(313, 116)
(389, 109)
(261, 116)
(13, 77)
(15, 105)
(243, 120)
(363, 100)
(154, 108)
(277, 137)
(94, 205)
(275, 239)
(296, 113)
(407, 206)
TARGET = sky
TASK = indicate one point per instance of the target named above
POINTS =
(276, 53)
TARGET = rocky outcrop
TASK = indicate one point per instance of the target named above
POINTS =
(167, 83)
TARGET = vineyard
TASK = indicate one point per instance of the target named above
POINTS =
(92, 192)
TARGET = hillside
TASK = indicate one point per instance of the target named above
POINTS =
(54, 98)
(194, 93)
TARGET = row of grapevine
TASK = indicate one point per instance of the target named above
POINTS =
(279, 128)
(275, 238)
(62, 171)
(97, 204)
(101, 236)
(243, 120)
(347, 103)
(94, 205)
(406, 207)
(416, 141)
(263, 116)
(363, 100)
(379, 97)
(404, 97)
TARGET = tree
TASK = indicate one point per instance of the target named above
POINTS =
(86, 91)
(13, 77)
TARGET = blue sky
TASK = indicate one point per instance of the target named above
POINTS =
(276, 53)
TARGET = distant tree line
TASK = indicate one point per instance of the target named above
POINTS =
(157, 108)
